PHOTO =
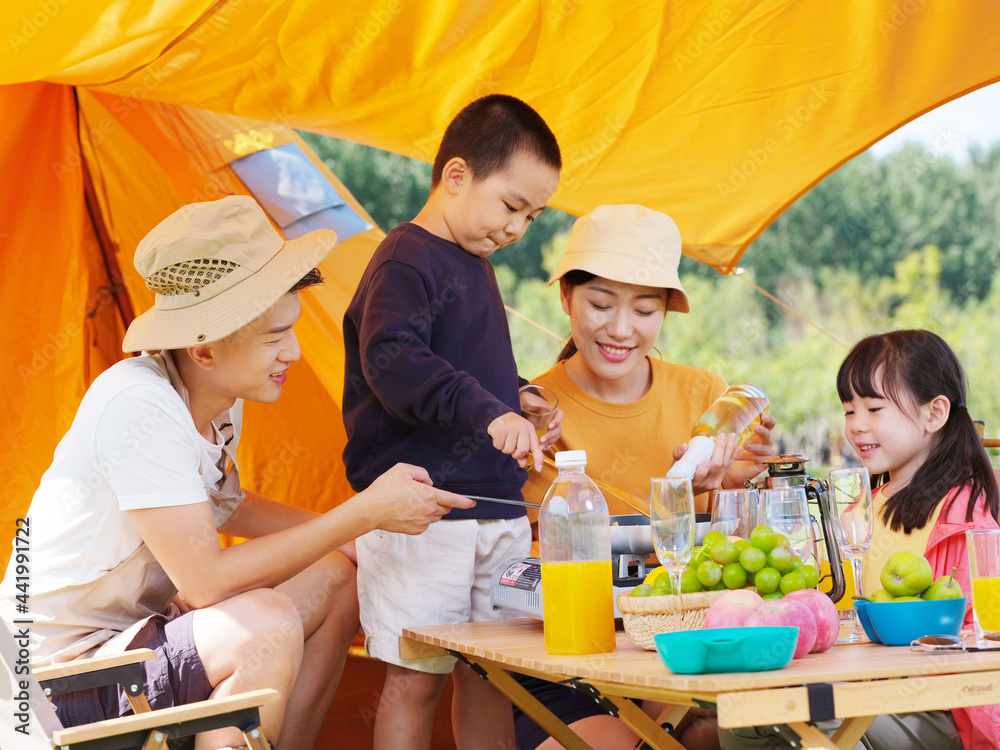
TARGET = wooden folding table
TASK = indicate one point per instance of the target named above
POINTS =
(854, 682)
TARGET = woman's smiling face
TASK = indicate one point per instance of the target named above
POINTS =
(614, 327)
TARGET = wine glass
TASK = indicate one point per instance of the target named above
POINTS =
(786, 511)
(853, 519)
(672, 518)
(734, 512)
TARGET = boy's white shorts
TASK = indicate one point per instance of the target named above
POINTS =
(439, 577)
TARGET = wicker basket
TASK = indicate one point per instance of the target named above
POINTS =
(645, 616)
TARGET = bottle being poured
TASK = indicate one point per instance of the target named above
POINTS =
(737, 410)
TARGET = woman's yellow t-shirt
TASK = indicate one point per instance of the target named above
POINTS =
(627, 444)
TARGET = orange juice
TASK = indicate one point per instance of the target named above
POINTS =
(578, 607)
(986, 601)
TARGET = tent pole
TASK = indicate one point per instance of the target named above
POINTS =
(116, 286)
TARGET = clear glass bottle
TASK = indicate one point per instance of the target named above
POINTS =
(738, 409)
(574, 534)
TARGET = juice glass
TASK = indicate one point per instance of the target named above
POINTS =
(984, 565)
(538, 406)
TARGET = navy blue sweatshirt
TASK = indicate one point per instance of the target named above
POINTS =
(428, 366)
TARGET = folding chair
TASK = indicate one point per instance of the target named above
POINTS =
(29, 722)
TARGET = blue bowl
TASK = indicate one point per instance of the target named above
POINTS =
(727, 649)
(899, 623)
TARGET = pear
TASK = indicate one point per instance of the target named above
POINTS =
(945, 587)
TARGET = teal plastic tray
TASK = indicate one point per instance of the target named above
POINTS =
(727, 649)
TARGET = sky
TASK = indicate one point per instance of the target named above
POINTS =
(953, 127)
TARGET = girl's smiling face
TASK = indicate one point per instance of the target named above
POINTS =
(614, 327)
(890, 437)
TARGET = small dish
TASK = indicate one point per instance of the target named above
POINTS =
(900, 623)
(727, 649)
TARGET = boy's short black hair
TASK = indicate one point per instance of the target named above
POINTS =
(487, 132)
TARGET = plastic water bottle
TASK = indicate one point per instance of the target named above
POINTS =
(737, 410)
(574, 534)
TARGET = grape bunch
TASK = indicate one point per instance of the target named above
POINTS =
(765, 561)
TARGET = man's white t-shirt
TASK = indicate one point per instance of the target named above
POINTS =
(133, 444)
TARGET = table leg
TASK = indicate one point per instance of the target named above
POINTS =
(673, 714)
(812, 738)
(643, 725)
(532, 707)
(849, 733)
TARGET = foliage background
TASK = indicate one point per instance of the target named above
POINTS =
(911, 240)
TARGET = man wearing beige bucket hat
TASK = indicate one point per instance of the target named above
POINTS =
(630, 411)
(125, 522)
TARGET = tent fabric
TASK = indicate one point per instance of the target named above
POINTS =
(719, 114)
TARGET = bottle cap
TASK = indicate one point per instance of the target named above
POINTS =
(571, 458)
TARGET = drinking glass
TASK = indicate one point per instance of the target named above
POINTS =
(538, 406)
(786, 511)
(853, 518)
(734, 512)
(984, 565)
(672, 518)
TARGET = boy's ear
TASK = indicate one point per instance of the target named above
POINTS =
(202, 355)
(937, 411)
(455, 173)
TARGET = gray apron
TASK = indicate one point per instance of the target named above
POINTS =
(103, 616)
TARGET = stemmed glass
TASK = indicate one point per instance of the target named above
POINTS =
(853, 519)
(734, 511)
(672, 518)
(786, 511)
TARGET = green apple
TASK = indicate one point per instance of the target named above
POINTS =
(811, 576)
(767, 580)
(945, 587)
(690, 582)
(762, 537)
(792, 582)
(880, 595)
(772, 595)
(781, 539)
(724, 552)
(643, 589)
(741, 544)
(906, 573)
(753, 559)
(711, 538)
(781, 558)
(734, 576)
(698, 556)
(709, 573)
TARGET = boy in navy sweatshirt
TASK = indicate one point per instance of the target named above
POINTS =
(430, 379)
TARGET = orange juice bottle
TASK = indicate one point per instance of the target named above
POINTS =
(574, 534)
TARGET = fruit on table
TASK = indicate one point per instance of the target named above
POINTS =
(767, 580)
(945, 587)
(753, 559)
(880, 595)
(906, 573)
(709, 573)
(763, 538)
(787, 612)
(811, 576)
(781, 558)
(712, 537)
(792, 581)
(734, 576)
(826, 614)
(732, 608)
(724, 552)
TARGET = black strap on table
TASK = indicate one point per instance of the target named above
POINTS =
(820, 701)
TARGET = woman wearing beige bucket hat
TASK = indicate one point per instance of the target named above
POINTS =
(125, 522)
(631, 412)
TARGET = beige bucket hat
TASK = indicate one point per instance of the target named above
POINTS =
(215, 267)
(627, 243)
